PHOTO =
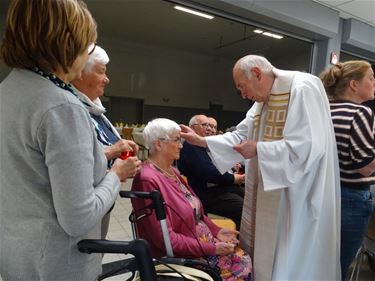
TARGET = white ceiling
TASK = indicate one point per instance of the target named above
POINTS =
(362, 10)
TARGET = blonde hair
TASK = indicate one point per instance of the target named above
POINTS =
(46, 33)
(336, 78)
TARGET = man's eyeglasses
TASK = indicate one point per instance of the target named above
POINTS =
(205, 125)
(91, 48)
(175, 140)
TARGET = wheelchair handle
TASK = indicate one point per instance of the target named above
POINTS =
(139, 248)
(155, 196)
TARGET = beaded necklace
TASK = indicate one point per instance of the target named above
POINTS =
(171, 175)
(195, 204)
(102, 136)
(182, 186)
(54, 79)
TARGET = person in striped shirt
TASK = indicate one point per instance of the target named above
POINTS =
(348, 85)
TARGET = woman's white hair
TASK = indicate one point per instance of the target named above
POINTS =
(159, 128)
(248, 62)
(98, 56)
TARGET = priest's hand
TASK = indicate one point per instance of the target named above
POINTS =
(239, 179)
(248, 149)
(223, 248)
(228, 235)
(191, 137)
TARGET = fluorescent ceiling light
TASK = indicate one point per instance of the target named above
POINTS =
(193, 12)
(276, 36)
(269, 34)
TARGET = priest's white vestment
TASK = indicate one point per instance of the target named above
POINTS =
(295, 177)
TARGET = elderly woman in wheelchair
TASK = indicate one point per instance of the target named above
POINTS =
(192, 233)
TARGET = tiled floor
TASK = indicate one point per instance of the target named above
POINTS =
(120, 229)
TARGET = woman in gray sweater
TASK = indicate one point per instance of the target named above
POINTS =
(54, 183)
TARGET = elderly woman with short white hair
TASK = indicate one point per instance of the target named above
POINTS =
(191, 232)
(89, 88)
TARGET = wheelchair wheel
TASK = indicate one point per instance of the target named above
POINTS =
(371, 262)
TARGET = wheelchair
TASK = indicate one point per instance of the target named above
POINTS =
(148, 268)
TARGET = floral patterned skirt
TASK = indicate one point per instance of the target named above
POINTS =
(234, 267)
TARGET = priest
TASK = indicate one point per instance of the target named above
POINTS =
(291, 215)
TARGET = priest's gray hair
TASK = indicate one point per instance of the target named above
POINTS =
(98, 56)
(248, 62)
(159, 128)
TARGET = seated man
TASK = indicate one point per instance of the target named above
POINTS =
(213, 126)
(221, 194)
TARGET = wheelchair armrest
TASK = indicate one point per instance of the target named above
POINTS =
(155, 196)
(139, 248)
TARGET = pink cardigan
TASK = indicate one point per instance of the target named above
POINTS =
(181, 228)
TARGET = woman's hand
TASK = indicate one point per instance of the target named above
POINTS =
(114, 151)
(126, 168)
(223, 248)
(228, 235)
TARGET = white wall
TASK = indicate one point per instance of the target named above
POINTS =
(168, 77)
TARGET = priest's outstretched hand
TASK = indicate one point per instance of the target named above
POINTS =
(248, 149)
(191, 137)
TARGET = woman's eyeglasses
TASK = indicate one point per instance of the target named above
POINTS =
(175, 140)
(91, 48)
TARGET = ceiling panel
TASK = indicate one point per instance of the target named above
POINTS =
(333, 3)
(345, 15)
(362, 10)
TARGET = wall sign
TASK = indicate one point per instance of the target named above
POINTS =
(334, 58)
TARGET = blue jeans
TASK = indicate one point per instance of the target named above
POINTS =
(356, 209)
